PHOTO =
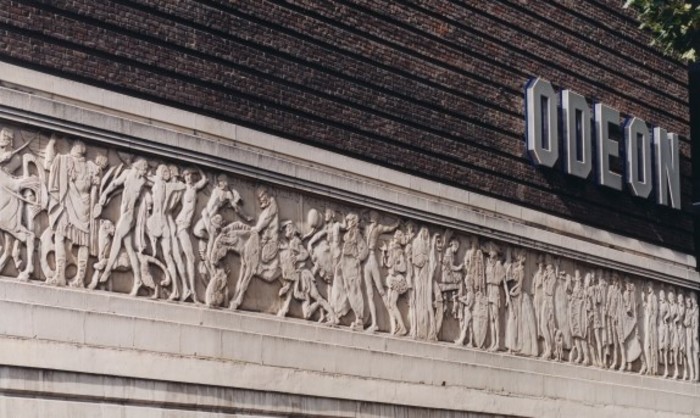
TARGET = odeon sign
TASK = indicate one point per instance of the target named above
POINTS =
(579, 131)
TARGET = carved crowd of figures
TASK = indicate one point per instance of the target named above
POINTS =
(175, 231)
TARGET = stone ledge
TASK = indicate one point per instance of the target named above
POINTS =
(72, 330)
(37, 393)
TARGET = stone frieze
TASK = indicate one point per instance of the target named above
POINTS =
(84, 216)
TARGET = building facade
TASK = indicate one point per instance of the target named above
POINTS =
(343, 208)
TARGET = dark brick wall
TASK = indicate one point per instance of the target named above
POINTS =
(429, 87)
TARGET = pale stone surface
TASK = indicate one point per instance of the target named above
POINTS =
(314, 362)
(139, 398)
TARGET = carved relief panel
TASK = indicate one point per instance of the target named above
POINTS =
(85, 216)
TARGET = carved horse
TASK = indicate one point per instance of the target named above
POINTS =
(238, 238)
(21, 199)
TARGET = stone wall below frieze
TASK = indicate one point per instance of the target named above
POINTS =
(81, 215)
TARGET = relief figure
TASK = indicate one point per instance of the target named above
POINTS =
(259, 253)
(679, 336)
(578, 319)
(495, 280)
(371, 267)
(183, 223)
(547, 322)
(422, 282)
(354, 252)
(72, 185)
(157, 226)
(651, 332)
(597, 294)
(325, 248)
(132, 181)
(466, 299)
(21, 198)
(664, 319)
(221, 196)
(694, 346)
(689, 369)
(628, 331)
(521, 332)
(394, 258)
(475, 314)
(297, 281)
(613, 306)
(449, 283)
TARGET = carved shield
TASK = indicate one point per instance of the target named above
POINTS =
(481, 320)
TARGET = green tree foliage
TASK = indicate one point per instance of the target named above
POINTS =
(675, 25)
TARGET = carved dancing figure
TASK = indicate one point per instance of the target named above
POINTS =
(221, 195)
(105, 234)
(597, 296)
(664, 334)
(689, 371)
(72, 186)
(521, 332)
(409, 235)
(260, 252)
(298, 281)
(589, 289)
(538, 293)
(680, 335)
(183, 222)
(466, 299)
(437, 248)
(371, 267)
(132, 180)
(21, 198)
(694, 346)
(628, 331)
(651, 332)
(216, 292)
(495, 279)
(578, 320)
(325, 248)
(394, 258)
(354, 252)
(476, 309)
(158, 227)
(561, 307)
(613, 304)
(175, 190)
(547, 325)
(673, 332)
(422, 282)
(448, 283)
